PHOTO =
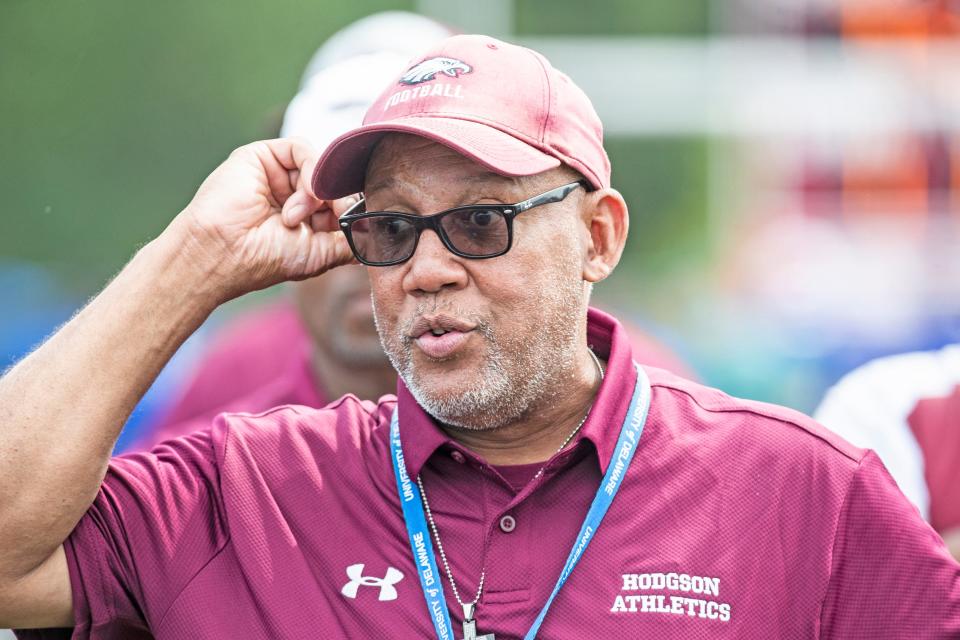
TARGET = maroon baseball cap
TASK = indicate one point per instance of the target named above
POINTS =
(499, 104)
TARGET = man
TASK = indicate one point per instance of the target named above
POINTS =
(318, 342)
(907, 408)
(567, 492)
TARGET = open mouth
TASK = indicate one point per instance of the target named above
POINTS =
(440, 344)
(440, 336)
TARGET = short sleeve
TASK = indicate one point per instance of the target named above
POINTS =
(891, 575)
(869, 408)
(156, 521)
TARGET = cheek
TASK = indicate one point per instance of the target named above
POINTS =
(387, 293)
(518, 286)
(541, 255)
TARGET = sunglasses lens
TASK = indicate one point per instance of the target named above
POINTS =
(383, 239)
(476, 232)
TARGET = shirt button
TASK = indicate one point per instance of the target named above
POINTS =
(508, 524)
(458, 457)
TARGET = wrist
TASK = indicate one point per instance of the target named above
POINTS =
(195, 263)
(187, 267)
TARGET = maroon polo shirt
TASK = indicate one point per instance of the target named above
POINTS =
(735, 520)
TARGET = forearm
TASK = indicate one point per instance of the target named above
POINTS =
(62, 407)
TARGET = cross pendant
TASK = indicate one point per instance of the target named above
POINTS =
(470, 625)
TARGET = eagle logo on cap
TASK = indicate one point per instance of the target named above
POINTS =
(428, 70)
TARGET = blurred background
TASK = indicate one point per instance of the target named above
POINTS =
(792, 166)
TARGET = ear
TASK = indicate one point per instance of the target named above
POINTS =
(607, 220)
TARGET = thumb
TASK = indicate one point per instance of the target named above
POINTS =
(326, 220)
(342, 205)
(334, 249)
(300, 206)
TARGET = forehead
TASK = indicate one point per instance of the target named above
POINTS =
(402, 162)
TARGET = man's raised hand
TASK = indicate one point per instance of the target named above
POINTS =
(255, 221)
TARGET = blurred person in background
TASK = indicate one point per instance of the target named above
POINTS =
(907, 408)
(319, 342)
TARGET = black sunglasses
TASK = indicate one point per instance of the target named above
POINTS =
(384, 238)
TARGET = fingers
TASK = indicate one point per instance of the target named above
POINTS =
(275, 159)
(341, 205)
(291, 154)
(298, 157)
(301, 206)
(318, 253)
(288, 165)
(339, 252)
(327, 218)
(325, 221)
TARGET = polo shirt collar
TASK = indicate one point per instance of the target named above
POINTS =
(422, 437)
(609, 340)
(420, 433)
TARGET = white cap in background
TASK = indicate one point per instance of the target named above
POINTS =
(349, 71)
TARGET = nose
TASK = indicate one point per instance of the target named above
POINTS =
(432, 268)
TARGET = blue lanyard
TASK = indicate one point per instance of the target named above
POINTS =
(419, 533)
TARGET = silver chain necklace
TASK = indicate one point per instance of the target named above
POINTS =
(469, 608)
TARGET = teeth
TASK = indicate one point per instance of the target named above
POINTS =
(437, 332)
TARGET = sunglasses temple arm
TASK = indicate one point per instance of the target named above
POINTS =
(357, 207)
(554, 195)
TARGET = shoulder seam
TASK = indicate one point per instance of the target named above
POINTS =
(755, 411)
(296, 408)
(833, 547)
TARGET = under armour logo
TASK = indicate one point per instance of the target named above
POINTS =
(357, 579)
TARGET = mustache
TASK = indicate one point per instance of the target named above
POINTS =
(406, 328)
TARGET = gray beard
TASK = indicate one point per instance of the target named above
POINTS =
(516, 375)
(496, 400)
